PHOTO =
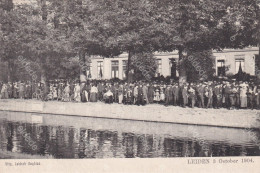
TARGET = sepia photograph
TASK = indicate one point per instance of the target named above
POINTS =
(90, 81)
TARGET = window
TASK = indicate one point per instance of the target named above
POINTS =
(173, 67)
(114, 69)
(89, 70)
(125, 63)
(238, 62)
(221, 70)
(159, 68)
(100, 69)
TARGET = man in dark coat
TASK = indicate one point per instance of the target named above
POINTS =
(140, 99)
(227, 91)
(150, 93)
(217, 91)
(100, 91)
(145, 94)
(168, 94)
(200, 90)
(175, 94)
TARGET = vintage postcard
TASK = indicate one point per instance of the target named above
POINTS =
(129, 86)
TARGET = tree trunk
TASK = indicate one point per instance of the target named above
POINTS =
(82, 64)
(11, 70)
(182, 70)
(42, 61)
(128, 66)
(8, 6)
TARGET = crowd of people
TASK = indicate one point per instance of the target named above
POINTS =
(211, 94)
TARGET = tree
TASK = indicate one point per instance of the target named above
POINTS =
(151, 25)
(11, 44)
(144, 65)
(199, 66)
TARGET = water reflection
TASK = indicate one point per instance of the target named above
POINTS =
(74, 137)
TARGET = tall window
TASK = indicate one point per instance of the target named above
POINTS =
(221, 71)
(89, 70)
(159, 67)
(114, 69)
(100, 69)
(125, 63)
(238, 62)
(173, 66)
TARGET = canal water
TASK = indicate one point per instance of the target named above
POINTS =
(27, 135)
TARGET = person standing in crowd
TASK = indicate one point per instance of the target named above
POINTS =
(15, 91)
(66, 93)
(145, 93)
(192, 95)
(200, 92)
(72, 86)
(140, 96)
(9, 90)
(120, 93)
(77, 93)
(258, 97)
(237, 96)
(4, 92)
(100, 90)
(28, 91)
(227, 91)
(116, 87)
(216, 93)
(88, 89)
(1, 84)
(185, 95)
(82, 92)
(135, 93)
(232, 96)
(156, 94)
(175, 91)
(55, 92)
(60, 91)
(243, 96)
(21, 90)
(250, 97)
(162, 94)
(125, 87)
(46, 91)
(113, 90)
(209, 96)
(93, 93)
(168, 95)
(150, 93)
(129, 94)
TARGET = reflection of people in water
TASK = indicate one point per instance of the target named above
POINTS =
(10, 134)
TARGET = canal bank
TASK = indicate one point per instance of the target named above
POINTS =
(149, 113)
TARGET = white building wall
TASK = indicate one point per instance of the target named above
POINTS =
(107, 68)
(228, 55)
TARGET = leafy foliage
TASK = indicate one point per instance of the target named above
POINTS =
(50, 32)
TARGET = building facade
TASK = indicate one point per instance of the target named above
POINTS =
(227, 62)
